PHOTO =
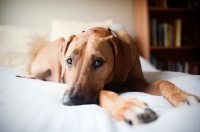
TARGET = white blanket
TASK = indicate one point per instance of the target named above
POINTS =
(35, 106)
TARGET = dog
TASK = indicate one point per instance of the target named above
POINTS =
(97, 64)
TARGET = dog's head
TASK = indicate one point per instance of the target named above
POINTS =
(89, 61)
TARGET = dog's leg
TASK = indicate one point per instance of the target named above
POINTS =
(176, 96)
(172, 93)
(131, 110)
(56, 71)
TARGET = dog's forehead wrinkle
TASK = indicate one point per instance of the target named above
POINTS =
(76, 52)
(100, 32)
(92, 57)
(77, 47)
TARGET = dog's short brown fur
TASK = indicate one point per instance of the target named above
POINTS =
(97, 63)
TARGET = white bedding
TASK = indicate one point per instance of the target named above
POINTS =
(35, 106)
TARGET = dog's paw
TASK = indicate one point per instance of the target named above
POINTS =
(139, 115)
(190, 100)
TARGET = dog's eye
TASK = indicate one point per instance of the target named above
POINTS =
(69, 61)
(98, 63)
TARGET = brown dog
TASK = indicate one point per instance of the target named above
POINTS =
(97, 62)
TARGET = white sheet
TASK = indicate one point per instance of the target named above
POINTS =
(35, 106)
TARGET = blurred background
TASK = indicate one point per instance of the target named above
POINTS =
(166, 32)
(39, 13)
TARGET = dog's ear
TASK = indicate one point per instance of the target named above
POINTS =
(62, 52)
(123, 54)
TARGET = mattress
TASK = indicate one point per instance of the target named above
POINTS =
(35, 106)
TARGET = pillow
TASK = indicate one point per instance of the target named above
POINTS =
(65, 28)
(19, 46)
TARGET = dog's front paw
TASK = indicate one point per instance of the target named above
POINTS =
(135, 112)
(139, 115)
(131, 110)
(190, 100)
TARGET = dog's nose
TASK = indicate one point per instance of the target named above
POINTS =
(67, 100)
(74, 99)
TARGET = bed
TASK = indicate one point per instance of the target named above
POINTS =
(33, 105)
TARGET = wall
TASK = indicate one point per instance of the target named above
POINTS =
(39, 13)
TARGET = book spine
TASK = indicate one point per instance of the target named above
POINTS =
(153, 61)
(154, 31)
(178, 24)
(169, 34)
(172, 35)
(160, 34)
(165, 35)
(185, 67)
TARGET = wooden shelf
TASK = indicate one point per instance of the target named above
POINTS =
(190, 31)
(179, 10)
(175, 48)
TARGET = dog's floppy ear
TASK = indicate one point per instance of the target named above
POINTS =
(123, 54)
(62, 52)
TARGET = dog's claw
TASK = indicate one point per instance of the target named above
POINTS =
(190, 100)
(129, 122)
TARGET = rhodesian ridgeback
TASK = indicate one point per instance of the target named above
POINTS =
(96, 65)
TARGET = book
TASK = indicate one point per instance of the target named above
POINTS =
(169, 35)
(160, 34)
(169, 65)
(165, 35)
(154, 31)
(186, 67)
(172, 35)
(153, 61)
(179, 67)
(178, 26)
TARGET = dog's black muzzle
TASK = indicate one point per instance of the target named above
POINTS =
(79, 98)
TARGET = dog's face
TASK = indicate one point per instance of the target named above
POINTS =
(89, 65)
(89, 61)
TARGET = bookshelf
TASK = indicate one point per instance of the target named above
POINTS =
(173, 33)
